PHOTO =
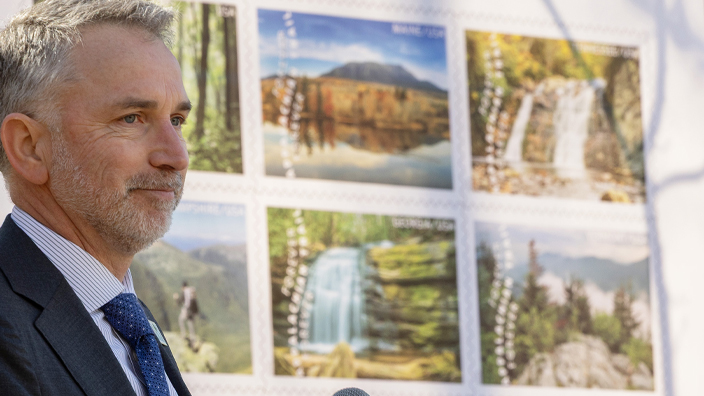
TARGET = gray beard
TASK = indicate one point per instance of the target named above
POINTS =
(127, 226)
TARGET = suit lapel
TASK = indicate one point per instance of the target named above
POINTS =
(172, 371)
(72, 333)
(64, 322)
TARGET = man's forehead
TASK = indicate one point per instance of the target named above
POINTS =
(108, 49)
(115, 33)
(124, 64)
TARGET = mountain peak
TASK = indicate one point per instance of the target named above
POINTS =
(381, 73)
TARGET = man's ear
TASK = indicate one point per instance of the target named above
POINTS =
(27, 144)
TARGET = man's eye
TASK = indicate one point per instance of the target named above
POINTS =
(130, 119)
(177, 121)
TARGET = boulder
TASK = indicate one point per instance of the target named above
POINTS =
(622, 364)
(539, 371)
(585, 362)
(642, 379)
(202, 359)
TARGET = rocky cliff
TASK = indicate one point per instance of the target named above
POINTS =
(411, 297)
(204, 359)
(585, 363)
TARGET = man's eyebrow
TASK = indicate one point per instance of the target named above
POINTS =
(135, 103)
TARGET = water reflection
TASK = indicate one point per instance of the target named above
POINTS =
(364, 154)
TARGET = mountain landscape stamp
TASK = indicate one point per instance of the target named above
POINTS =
(354, 100)
(194, 280)
(564, 308)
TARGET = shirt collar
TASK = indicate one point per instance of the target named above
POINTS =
(90, 280)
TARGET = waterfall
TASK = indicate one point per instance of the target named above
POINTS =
(514, 148)
(338, 305)
(571, 123)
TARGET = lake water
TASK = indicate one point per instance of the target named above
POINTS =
(423, 166)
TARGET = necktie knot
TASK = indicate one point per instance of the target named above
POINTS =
(126, 316)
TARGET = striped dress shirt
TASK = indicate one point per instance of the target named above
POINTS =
(93, 284)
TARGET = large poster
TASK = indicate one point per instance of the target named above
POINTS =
(422, 199)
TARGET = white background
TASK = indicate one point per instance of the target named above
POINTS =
(674, 128)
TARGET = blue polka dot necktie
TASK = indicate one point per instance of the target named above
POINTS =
(127, 317)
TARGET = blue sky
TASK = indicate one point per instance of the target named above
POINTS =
(621, 247)
(326, 42)
(196, 225)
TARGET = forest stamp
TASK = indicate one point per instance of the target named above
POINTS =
(380, 296)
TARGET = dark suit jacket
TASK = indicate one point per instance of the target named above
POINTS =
(49, 345)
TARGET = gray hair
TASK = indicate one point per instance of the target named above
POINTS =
(36, 44)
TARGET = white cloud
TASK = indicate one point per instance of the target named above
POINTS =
(331, 52)
(346, 53)
(338, 53)
(268, 47)
(555, 286)
(618, 253)
(623, 248)
(405, 49)
(600, 301)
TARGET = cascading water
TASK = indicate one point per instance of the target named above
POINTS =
(514, 148)
(337, 314)
(571, 123)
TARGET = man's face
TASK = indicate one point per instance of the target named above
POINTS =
(119, 158)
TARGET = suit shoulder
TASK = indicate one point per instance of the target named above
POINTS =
(15, 308)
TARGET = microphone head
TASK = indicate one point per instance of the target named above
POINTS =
(351, 392)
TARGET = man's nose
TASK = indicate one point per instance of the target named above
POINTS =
(169, 151)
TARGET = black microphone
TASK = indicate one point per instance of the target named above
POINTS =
(351, 392)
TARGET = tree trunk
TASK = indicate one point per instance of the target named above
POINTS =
(203, 72)
(179, 41)
(231, 78)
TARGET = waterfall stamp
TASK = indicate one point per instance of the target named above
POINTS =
(194, 280)
(364, 296)
(564, 308)
(354, 100)
(205, 46)
(555, 118)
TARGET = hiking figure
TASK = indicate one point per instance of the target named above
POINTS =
(189, 310)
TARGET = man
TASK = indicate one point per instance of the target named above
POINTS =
(189, 309)
(91, 105)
